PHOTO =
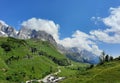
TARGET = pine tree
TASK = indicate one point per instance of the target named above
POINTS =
(107, 58)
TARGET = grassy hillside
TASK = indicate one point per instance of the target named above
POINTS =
(109, 72)
(22, 60)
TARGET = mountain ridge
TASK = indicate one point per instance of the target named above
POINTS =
(25, 33)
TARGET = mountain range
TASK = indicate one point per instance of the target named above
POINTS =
(28, 56)
(25, 33)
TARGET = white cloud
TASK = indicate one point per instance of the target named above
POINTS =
(43, 25)
(82, 41)
(105, 37)
(113, 21)
(112, 33)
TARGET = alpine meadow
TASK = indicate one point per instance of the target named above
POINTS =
(65, 41)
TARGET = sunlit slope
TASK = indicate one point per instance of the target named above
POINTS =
(22, 60)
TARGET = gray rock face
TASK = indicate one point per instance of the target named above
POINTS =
(43, 36)
(25, 33)
(82, 56)
(79, 56)
(7, 31)
(2, 33)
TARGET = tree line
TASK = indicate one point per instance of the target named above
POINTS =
(105, 58)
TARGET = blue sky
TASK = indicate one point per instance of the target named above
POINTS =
(71, 15)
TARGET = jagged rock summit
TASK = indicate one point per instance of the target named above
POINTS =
(26, 33)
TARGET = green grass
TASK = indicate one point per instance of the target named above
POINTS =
(22, 60)
(72, 69)
(18, 63)
(109, 72)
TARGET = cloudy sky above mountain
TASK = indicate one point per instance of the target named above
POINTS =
(91, 25)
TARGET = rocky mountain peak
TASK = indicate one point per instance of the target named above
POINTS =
(6, 30)
(26, 33)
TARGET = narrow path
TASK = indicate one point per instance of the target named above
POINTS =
(51, 78)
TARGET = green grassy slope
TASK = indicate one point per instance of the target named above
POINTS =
(106, 73)
(22, 60)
